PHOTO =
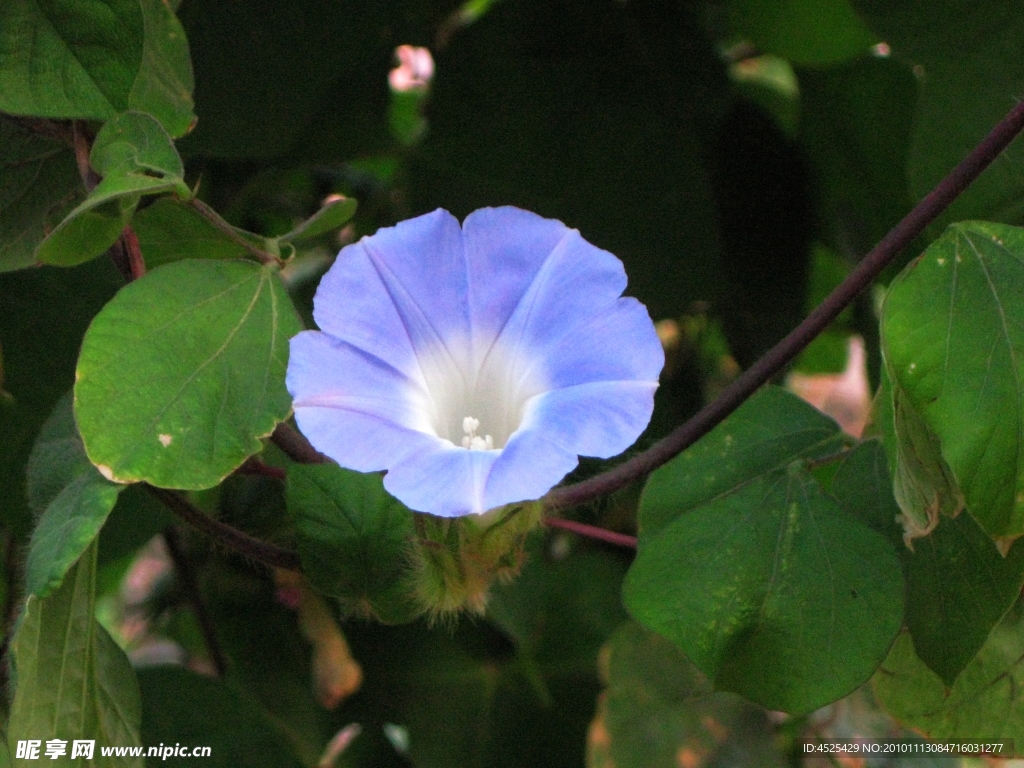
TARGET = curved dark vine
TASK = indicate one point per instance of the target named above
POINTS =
(299, 449)
(250, 546)
(783, 353)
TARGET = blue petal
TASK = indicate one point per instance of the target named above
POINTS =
(324, 372)
(442, 479)
(359, 441)
(576, 283)
(400, 293)
(505, 249)
(620, 344)
(601, 418)
(529, 466)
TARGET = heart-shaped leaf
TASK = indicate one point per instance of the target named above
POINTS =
(183, 373)
(759, 574)
(953, 336)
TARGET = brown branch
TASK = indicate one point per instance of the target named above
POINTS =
(777, 358)
(187, 579)
(254, 466)
(136, 263)
(591, 532)
(250, 546)
(126, 253)
(83, 145)
(296, 446)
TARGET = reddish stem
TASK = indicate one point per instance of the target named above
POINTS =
(592, 532)
(136, 264)
(82, 148)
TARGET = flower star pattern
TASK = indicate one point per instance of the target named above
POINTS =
(474, 363)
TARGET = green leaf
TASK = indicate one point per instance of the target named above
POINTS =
(353, 538)
(57, 457)
(971, 74)
(658, 711)
(136, 157)
(331, 216)
(39, 185)
(803, 31)
(95, 225)
(755, 571)
(958, 584)
(771, 430)
(183, 373)
(953, 335)
(182, 707)
(170, 230)
(163, 87)
(983, 704)
(77, 63)
(94, 59)
(862, 486)
(72, 680)
(73, 498)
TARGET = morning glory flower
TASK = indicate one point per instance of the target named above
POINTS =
(473, 363)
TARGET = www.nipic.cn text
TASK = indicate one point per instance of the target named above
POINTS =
(35, 749)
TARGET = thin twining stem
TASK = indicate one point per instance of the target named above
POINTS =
(777, 358)
(250, 546)
(591, 532)
(214, 218)
(194, 597)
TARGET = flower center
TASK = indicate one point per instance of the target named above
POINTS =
(471, 441)
(494, 391)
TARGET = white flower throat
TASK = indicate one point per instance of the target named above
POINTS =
(476, 404)
(471, 440)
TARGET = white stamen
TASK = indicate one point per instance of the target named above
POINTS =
(471, 441)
